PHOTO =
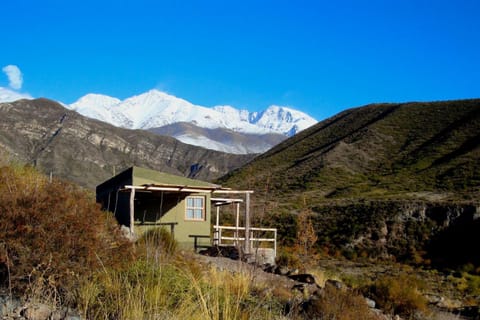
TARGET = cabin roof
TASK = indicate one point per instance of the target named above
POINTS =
(151, 180)
(143, 176)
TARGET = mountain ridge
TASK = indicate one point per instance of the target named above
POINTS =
(158, 108)
(155, 109)
(86, 151)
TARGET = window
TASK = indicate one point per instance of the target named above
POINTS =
(195, 209)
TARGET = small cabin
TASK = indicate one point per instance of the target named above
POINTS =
(142, 199)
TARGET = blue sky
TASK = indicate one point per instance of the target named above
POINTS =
(320, 57)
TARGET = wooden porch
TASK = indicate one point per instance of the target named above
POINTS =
(252, 241)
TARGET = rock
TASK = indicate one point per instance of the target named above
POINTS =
(227, 252)
(335, 283)
(293, 272)
(304, 278)
(9, 305)
(270, 268)
(127, 234)
(281, 270)
(37, 311)
(434, 299)
(370, 303)
(58, 314)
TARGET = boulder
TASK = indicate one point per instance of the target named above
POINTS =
(37, 311)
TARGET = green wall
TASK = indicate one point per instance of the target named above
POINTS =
(152, 209)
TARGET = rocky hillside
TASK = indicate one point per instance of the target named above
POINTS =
(86, 151)
(384, 179)
(383, 150)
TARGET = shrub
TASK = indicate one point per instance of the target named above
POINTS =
(52, 235)
(398, 295)
(156, 243)
(338, 304)
(285, 258)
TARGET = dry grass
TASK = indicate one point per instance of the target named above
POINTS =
(173, 288)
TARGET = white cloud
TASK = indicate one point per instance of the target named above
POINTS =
(14, 75)
(8, 95)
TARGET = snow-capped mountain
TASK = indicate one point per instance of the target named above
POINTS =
(154, 109)
(222, 128)
(7, 95)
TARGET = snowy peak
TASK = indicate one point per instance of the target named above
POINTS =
(155, 108)
(231, 112)
(100, 107)
(283, 120)
(96, 101)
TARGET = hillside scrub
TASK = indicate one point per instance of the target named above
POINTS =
(52, 236)
(421, 233)
(398, 295)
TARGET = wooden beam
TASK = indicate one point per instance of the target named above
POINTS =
(229, 200)
(172, 188)
(233, 191)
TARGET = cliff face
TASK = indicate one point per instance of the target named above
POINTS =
(414, 231)
(45, 134)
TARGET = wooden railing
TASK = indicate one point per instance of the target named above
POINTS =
(228, 236)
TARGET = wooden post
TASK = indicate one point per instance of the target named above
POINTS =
(247, 223)
(237, 222)
(132, 211)
(217, 224)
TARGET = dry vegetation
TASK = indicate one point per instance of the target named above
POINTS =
(58, 248)
(52, 235)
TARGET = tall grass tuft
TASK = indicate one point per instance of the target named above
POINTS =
(170, 285)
